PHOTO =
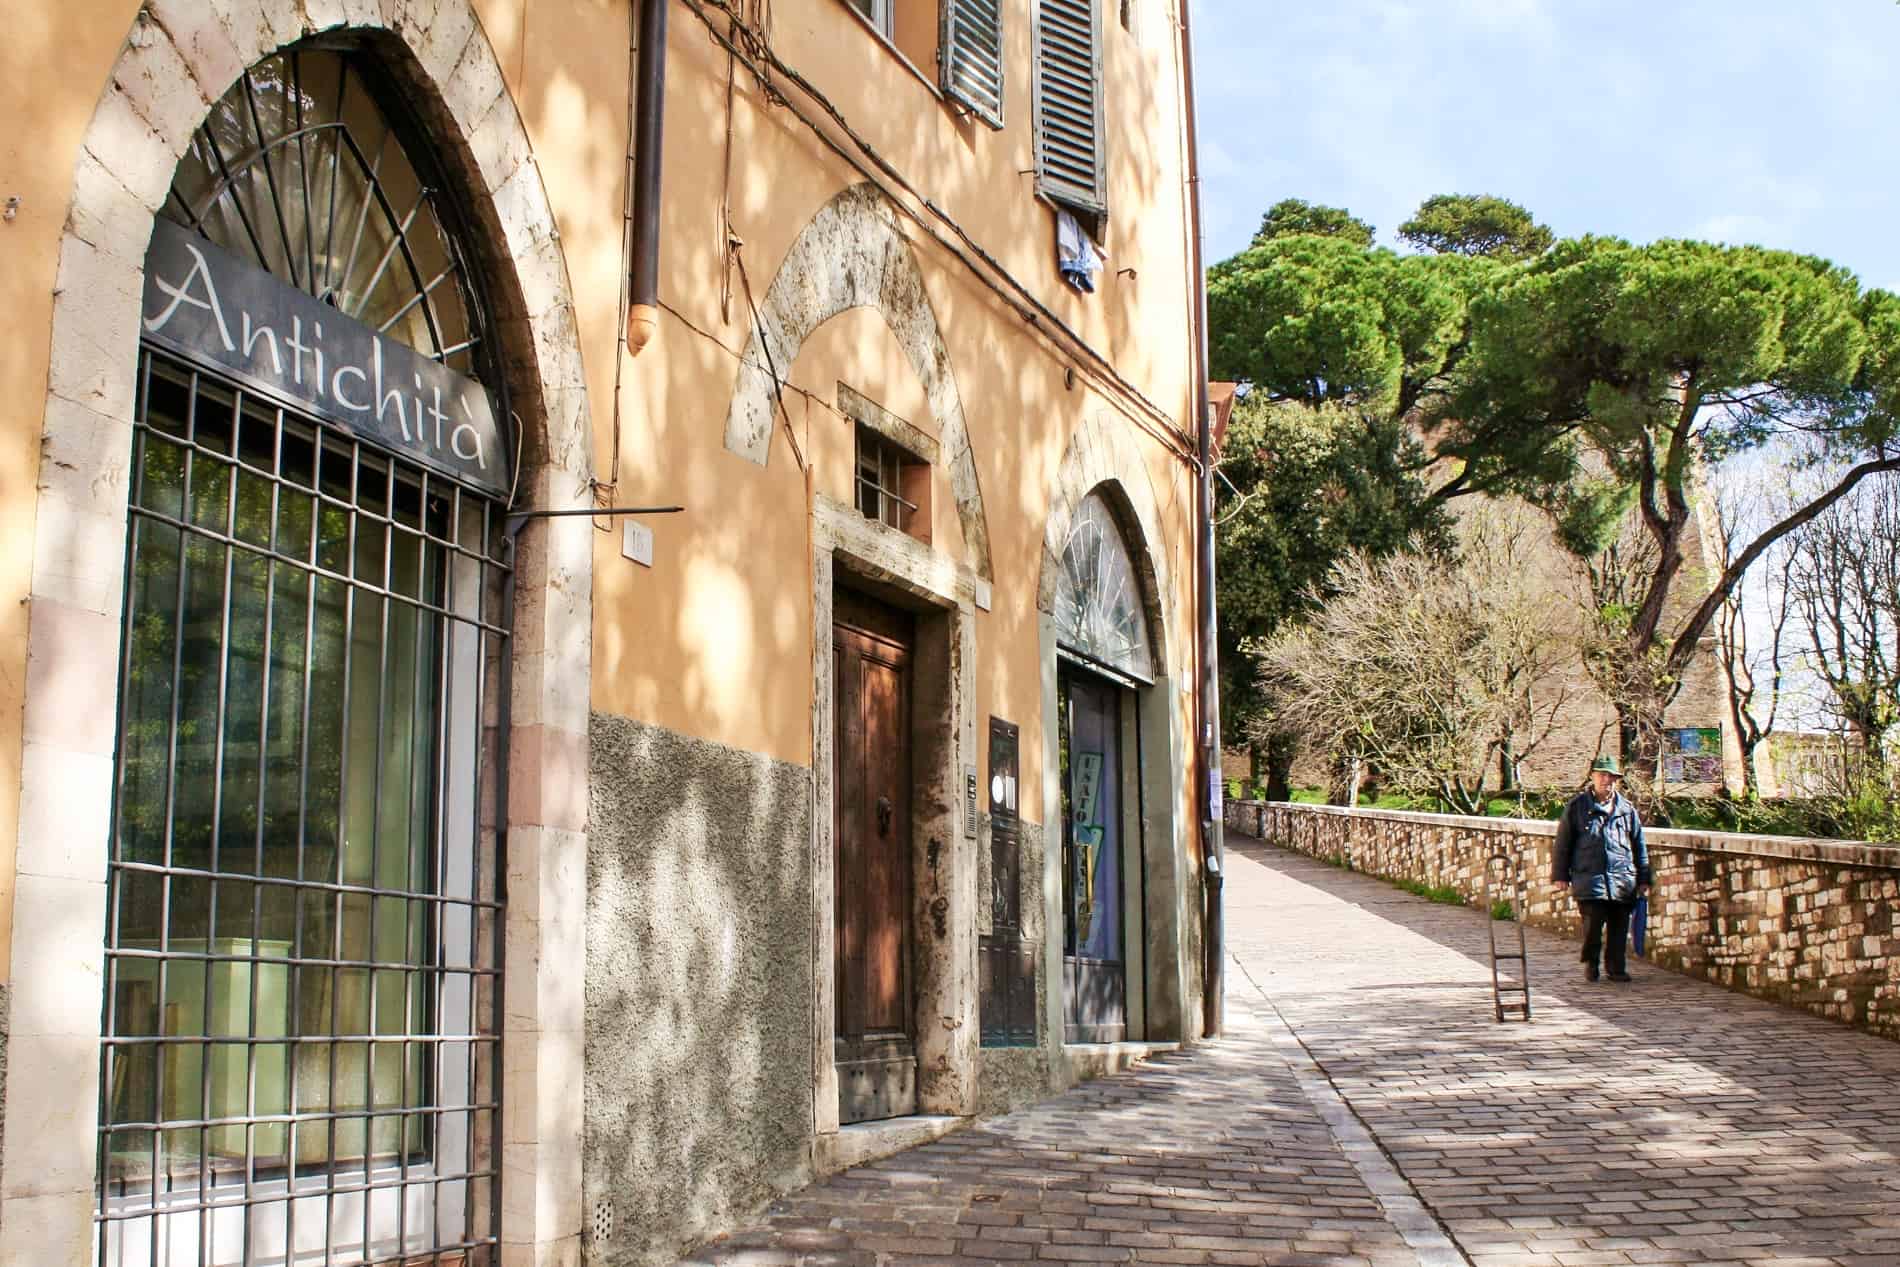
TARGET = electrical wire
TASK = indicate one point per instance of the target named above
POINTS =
(1159, 424)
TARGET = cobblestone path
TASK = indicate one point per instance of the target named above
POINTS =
(1364, 1109)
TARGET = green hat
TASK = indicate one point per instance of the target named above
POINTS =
(1607, 764)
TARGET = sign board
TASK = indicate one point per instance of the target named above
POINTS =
(221, 312)
(969, 801)
(1692, 754)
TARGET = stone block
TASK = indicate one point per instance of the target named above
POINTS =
(48, 1231)
(204, 40)
(448, 34)
(73, 703)
(158, 81)
(474, 86)
(58, 969)
(52, 1114)
(65, 813)
(78, 556)
(126, 144)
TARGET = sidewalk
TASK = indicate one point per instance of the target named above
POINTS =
(1365, 1109)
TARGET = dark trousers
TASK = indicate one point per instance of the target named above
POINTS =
(1606, 922)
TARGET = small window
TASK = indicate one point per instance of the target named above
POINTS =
(893, 485)
(877, 12)
(911, 27)
(957, 45)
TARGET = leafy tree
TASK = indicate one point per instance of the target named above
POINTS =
(1603, 376)
(1476, 224)
(1292, 217)
(1298, 488)
(1326, 320)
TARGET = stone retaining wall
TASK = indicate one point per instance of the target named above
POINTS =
(1814, 924)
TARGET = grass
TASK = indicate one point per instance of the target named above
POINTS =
(1441, 894)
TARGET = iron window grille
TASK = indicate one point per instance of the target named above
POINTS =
(884, 469)
(303, 960)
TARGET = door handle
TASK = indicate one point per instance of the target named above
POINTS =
(884, 813)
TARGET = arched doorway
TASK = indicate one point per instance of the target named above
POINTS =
(1104, 658)
(300, 1054)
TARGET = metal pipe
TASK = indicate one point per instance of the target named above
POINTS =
(1212, 836)
(643, 308)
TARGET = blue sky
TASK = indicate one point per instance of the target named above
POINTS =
(1768, 121)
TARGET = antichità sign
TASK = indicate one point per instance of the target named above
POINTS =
(216, 309)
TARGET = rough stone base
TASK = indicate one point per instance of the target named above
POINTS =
(1011, 1078)
(699, 986)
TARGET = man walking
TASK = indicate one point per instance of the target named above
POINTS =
(1601, 857)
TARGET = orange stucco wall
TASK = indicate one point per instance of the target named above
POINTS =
(714, 639)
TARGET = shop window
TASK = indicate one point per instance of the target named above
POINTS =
(1071, 169)
(300, 1060)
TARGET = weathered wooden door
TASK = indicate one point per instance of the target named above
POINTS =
(875, 1047)
(1094, 969)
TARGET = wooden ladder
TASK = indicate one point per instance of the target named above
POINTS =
(1510, 996)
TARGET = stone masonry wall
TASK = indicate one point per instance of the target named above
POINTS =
(697, 1074)
(1812, 924)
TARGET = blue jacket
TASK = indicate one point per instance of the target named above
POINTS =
(1600, 851)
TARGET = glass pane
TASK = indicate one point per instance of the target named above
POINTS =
(1099, 607)
(297, 171)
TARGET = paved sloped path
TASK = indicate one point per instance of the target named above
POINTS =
(1666, 1121)
(1365, 1110)
(1207, 1156)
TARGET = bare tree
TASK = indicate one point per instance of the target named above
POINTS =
(1843, 583)
(1639, 687)
(1751, 625)
(1436, 671)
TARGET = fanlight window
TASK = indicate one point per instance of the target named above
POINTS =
(298, 170)
(1099, 613)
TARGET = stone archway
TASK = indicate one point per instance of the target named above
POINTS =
(180, 57)
(852, 255)
(1103, 458)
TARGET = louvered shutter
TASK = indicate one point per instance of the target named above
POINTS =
(1070, 165)
(973, 56)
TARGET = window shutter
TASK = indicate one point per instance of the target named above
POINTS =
(1069, 162)
(973, 56)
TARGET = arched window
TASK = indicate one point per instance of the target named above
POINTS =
(1099, 612)
(298, 171)
(302, 944)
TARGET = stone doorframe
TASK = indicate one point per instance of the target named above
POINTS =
(179, 58)
(1102, 458)
(945, 594)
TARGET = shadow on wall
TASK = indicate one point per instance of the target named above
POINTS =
(699, 984)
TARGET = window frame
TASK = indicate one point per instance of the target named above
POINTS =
(1092, 200)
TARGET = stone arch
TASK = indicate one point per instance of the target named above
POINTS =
(852, 255)
(179, 58)
(1101, 458)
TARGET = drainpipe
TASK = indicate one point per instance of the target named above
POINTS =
(649, 130)
(1213, 847)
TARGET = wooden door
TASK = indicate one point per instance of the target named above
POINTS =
(875, 1045)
